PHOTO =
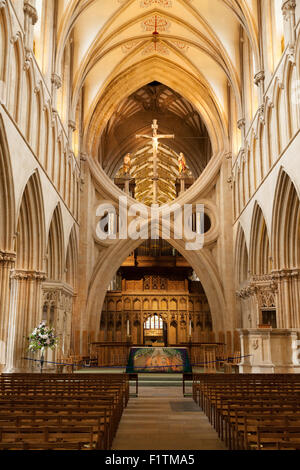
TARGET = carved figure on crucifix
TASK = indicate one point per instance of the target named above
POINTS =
(127, 163)
(155, 137)
(181, 164)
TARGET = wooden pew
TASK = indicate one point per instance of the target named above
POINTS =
(66, 401)
(238, 405)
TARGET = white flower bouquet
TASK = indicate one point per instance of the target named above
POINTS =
(42, 338)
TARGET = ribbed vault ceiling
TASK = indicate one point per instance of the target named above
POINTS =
(198, 38)
(175, 115)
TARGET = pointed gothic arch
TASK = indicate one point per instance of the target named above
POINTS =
(15, 78)
(201, 262)
(7, 195)
(4, 27)
(259, 257)
(241, 258)
(169, 74)
(30, 243)
(55, 247)
(72, 260)
(286, 224)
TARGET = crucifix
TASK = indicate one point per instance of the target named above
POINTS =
(155, 138)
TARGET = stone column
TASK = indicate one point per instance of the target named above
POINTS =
(30, 19)
(71, 130)
(288, 281)
(182, 184)
(127, 180)
(242, 126)
(24, 315)
(7, 263)
(61, 296)
(288, 11)
(259, 80)
(56, 85)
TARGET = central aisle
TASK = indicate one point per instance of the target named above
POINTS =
(162, 419)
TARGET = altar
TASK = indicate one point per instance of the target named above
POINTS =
(158, 359)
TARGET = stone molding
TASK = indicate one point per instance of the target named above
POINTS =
(24, 275)
(7, 257)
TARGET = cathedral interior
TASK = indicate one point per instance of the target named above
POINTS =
(163, 103)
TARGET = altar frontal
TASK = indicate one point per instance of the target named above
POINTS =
(171, 360)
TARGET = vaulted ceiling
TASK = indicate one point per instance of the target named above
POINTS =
(175, 115)
(196, 40)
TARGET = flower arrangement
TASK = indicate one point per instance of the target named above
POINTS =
(41, 338)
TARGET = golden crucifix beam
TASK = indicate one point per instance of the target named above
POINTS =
(155, 137)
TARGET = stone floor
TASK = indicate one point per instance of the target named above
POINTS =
(162, 419)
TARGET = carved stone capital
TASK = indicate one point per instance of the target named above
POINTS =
(72, 125)
(7, 257)
(56, 80)
(27, 59)
(241, 123)
(24, 275)
(261, 109)
(83, 157)
(259, 77)
(229, 180)
(31, 11)
(291, 55)
(284, 274)
(288, 8)
(2, 4)
(245, 292)
(261, 113)
(14, 38)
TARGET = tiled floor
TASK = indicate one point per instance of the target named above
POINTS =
(162, 419)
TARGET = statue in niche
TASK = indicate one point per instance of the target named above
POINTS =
(181, 164)
(127, 164)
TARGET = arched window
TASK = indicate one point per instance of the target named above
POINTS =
(154, 323)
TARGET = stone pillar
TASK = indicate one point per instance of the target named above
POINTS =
(127, 187)
(30, 19)
(288, 11)
(56, 85)
(71, 130)
(288, 282)
(242, 126)
(7, 263)
(61, 296)
(259, 80)
(182, 184)
(24, 315)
